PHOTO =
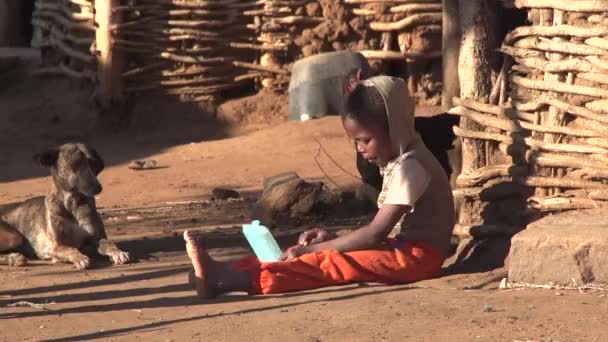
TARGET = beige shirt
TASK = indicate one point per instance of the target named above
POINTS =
(416, 179)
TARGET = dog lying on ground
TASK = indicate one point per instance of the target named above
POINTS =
(65, 223)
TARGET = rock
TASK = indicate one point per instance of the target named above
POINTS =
(143, 164)
(564, 249)
(286, 197)
(224, 194)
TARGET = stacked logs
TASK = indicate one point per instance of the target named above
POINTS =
(275, 24)
(545, 126)
(382, 31)
(196, 49)
(409, 30)
(191, 49)
(64, 31)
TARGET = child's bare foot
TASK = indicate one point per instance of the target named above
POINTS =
(202, 264)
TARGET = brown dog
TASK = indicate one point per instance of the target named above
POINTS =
(64, 222)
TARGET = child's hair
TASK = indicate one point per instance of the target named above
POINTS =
(366, 106)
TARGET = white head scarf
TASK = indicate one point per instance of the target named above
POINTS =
(399, 110)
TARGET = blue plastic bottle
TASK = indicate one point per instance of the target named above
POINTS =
(262, 242)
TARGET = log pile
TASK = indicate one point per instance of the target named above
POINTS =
(196, 49)
(192, 49)
(382, 31)
(64, 31)
(544, 128)
(409, 30)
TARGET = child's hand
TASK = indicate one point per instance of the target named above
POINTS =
(313, 236)
(294, 252)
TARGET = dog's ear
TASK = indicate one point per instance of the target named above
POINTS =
(97, 163)
(47, 158)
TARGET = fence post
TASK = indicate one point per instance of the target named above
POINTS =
(109, 61)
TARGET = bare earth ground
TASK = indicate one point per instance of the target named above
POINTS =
(150, 300)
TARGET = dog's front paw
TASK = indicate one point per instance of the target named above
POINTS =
(120, 257)
(81, 261)
(16, 260)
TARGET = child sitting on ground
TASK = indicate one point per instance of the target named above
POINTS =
(415, 194)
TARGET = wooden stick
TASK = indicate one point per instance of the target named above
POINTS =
(555, 160)
(42, 7)
(388, 1)
(202, 90)
(576, 110)
(477, 177)
(493, 109)
(559, 87)
(484, 230)
(413, 20)
(412, 8)
(65, 49)
(601, 43)
(142, 69)
(598, 106)
(463, 193)
(588, 173)
(268, 12)
(570, 48)
(177, 83)
(495, 93)
(541, 145)
(561, 203)
(83, 3)
(554, 31)
(63, 69)
(512, 114)
(163, 12)
(194, 59)
(65, 22)
(485, 120)
(202, 3)
(602, 63)
(398, 55)
(601, 142)
(364, 12)
(260, 68)
(565, 5)
(194, 23)
(551, 182)
(559, 130)
(298, 20)
(574, 64)
(248, 76)
(261, 47)
(519, 52)
(593, 77)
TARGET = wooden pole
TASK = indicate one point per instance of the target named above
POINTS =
(110, 87)
(451, 85)
(474, 71)
(450, 49)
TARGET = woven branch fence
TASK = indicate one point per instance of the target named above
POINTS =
(545, 126)
(65, 33)
(195, 49)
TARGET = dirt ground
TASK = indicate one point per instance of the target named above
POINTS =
(146, 211)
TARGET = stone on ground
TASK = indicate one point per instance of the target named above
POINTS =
(567, 249)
